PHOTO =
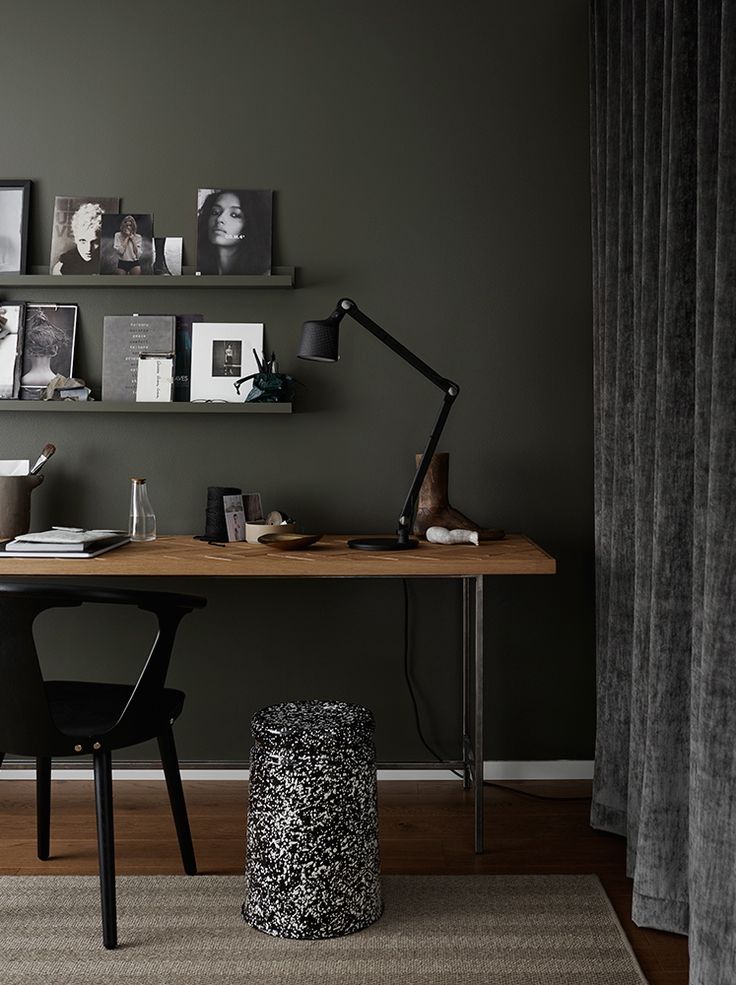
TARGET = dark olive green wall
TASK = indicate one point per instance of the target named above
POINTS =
(430, 160)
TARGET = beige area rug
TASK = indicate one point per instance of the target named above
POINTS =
(436, 930)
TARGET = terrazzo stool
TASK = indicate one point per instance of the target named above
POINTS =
(312, 868)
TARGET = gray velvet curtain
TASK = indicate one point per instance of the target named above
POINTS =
(663, 131)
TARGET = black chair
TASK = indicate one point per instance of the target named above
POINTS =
(44, 719)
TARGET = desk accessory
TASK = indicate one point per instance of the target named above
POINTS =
(234, 517)
(142, 522)
(215, 527)
(434, 509)
(46, 452)
(320, 342)
(441, 535)
(254, 531)
(289, 541)
(15, 503)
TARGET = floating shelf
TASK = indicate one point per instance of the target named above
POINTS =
(281, 277)
(125, 407)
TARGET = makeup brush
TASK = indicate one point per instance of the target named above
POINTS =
(46, 452)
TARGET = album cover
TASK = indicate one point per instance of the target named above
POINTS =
(11, 350)
(183, 362)
(167, 255)
(75, 237)
(222, 353)
(234, 231)
(48, 346)
(127, 244)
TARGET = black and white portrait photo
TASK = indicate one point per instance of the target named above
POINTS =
(222, 352)
(127, 244)
(75, 238)
(14, 196)
(48, 346)
(226, 358)
(234, 231)
(11, 355)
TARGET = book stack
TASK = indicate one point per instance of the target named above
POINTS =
(65, 542)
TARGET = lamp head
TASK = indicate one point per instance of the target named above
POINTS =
(321, 339)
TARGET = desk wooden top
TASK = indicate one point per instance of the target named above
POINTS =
(182, 556)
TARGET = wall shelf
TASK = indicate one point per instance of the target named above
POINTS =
(281, 277)
(130, 407)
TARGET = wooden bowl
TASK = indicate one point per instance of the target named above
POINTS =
(289, 542)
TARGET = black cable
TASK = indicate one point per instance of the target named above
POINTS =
(420, 733)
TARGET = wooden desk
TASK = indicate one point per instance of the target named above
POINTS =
(331, 558)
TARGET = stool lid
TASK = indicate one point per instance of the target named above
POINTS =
(313, 724)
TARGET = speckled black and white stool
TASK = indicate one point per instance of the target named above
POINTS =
(312, 868)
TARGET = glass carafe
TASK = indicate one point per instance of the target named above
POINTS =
(142, 524)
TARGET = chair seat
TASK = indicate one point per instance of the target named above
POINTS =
(90, 709)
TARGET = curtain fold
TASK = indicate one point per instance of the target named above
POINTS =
(663, 174)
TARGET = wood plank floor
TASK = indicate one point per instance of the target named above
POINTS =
(426, 827)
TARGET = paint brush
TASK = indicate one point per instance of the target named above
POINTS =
(46, 452)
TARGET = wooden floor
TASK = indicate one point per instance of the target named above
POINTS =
(426, 827)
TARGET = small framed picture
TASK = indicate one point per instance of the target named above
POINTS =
(234, 231)
(222, 353)
(167, 255)
(11, 351)
(48, 346)
(75, 239)
(126, 244)
(14, 198)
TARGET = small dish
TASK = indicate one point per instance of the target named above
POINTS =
(289, 542)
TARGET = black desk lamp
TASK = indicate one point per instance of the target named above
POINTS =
(320, 343)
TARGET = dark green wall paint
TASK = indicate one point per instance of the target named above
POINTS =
(429, 160)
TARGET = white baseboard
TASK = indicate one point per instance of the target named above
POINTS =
(542, 769)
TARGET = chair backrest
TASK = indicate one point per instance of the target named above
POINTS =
(26, 725)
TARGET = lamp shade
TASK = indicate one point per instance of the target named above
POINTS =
(320, 341)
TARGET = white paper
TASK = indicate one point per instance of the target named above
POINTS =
(20, 466)
(155, 379)
(222, 353)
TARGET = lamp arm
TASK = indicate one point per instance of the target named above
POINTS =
(349, 307)
(451, 390)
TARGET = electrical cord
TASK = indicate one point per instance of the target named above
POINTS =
(418, 722)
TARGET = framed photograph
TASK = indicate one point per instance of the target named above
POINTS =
(234, 231)
(11, 351)
(222, 353)
(75, 238)
(14, 198)
(48, 346)
(167, 255)
(126, 245)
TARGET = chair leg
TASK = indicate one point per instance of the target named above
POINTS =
(43, 806)
(170, 763)
(102, 762)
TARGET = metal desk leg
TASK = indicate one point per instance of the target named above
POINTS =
(466, 750)
(478, 717)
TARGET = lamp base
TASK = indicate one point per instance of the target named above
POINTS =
(382, 544)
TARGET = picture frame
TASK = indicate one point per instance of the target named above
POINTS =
(126, 243)
(15, 195)
(11, 350)
(222, 352)
(234, 231)
(48, 346)
(75, 235)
